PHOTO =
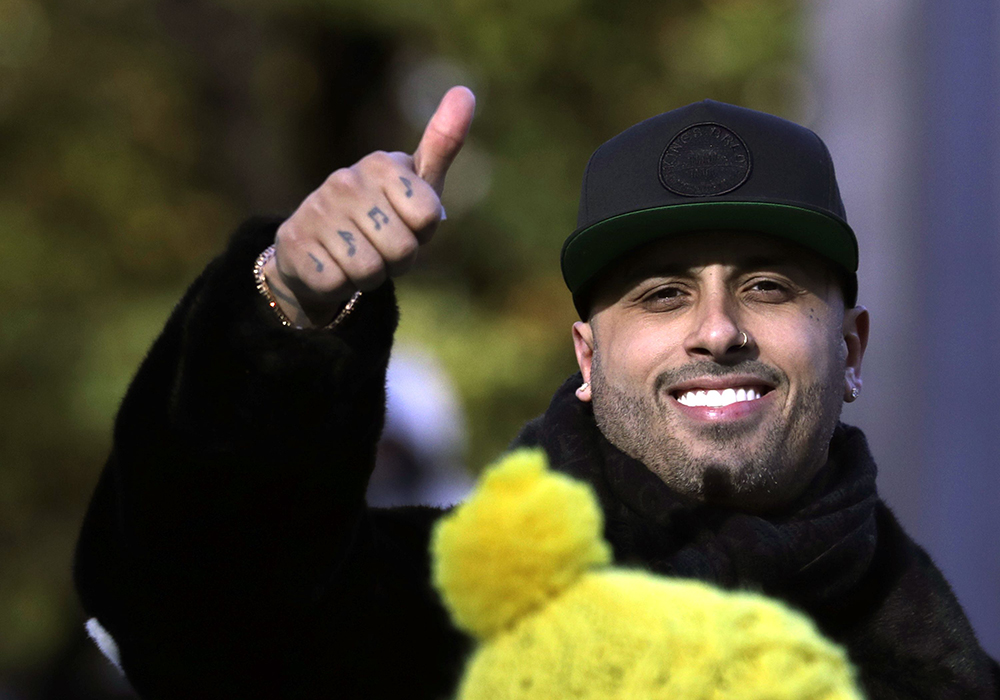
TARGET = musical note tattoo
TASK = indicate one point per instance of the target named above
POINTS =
(375, 214)
(349, 240)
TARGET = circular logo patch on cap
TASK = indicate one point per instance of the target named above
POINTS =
(703, 160)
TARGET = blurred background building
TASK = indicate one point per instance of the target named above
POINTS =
(135, 134)
(907, 97)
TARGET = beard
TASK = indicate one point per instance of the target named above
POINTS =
(750, 464)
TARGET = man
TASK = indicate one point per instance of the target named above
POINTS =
(228, 551)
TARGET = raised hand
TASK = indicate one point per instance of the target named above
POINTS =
(366, 222)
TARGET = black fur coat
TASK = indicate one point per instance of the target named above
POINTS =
(229, 552)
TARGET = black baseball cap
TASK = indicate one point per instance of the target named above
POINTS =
(707, 166)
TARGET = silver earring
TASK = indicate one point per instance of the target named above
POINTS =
(854, 393)
(584, 386)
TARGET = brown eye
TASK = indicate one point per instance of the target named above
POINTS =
(664, 297)
(769, 290)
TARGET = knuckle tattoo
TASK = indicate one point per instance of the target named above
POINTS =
(317, 261)
(378, 217)
(348, 238)
(408, 184)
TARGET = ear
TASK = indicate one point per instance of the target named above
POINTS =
(583, 345)
(856, 338)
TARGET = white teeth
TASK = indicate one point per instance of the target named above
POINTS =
(717, 399)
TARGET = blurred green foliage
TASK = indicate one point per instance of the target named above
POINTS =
(135, 134)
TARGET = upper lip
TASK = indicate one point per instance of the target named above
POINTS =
(730, 381)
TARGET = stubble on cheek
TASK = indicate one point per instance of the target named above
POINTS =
(739, 464)
(639, 426)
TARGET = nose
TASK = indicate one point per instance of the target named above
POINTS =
(715, 333)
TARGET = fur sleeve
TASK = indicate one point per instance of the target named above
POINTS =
(235, 487)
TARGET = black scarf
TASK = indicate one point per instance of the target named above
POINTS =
(836, 553)
(811, 554)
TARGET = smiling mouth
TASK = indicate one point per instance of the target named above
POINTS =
(719, 398)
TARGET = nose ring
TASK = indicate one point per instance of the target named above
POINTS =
(746, 339)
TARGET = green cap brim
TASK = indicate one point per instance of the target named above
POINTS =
(588, 251)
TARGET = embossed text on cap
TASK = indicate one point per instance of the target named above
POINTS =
(703, 160)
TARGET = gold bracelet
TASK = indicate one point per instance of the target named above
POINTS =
(258, 275)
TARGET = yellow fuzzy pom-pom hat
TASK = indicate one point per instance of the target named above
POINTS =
(523, 567)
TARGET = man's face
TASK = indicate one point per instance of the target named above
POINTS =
(674, 385)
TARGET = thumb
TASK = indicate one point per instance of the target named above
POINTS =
(444, 135)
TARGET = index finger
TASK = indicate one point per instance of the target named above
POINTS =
(444, 135)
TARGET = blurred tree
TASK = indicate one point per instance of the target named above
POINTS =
(134, 134)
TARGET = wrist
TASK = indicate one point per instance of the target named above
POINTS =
(286, 305)
(280, 298)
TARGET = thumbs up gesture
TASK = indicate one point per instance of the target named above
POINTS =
(366, 222)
